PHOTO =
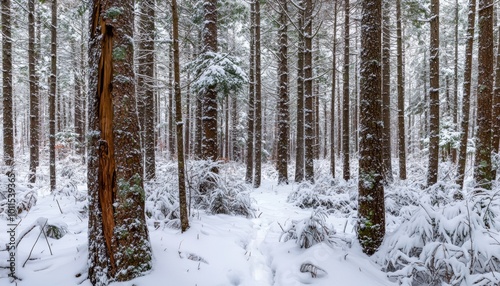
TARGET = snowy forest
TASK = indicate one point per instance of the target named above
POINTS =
(250, 142)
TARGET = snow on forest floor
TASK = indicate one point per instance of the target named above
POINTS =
(216, 250)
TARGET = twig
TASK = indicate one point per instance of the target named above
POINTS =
(31, 251)
(59, 206)
(44, 234)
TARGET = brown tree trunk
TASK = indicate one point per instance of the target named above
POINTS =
(251, 100)
(308, 93)
(432, 174)
(178, 119)
(79, 107)
(496, 102)
(119, 247)
(34, 96)
(401, 96)
(8, 123)
(455, 85)
(52, 96)
(283, 98)
(371, 211)
(209, 119)
(146, 83)
(258, 101)
(333, 102)
(346, 97)
(482, 163)
(299, 153)
(386, 93)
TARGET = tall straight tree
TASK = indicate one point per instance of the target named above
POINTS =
(455, 81)
(283, 109)
(346, 97)
(52, 96)
(482, 164)
(119, 247)
(146, 82)
(464, 126)
(8, 128)
(299, 142)
(496, 102)
(432, 173)
(251, 100)
(33, 78)
(386, 91)
(332, 106)
(308, 93)
(258, 101)
(371, 210)
(209, 119)
(178, 119)
(79, 106)
(401, 95)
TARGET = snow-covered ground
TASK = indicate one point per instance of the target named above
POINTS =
(216, 250)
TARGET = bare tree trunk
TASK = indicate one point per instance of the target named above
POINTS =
(283, 109)
(432, 174)
(482, 167)
(401, 96)
(251, 99)
(455, 85)
(496, 102)
(299, 153)
(346, 97)
(258, 101)
(8, 123)
(171, 107)
(386, 93)
(332, 107)
(308, 93)
(371, 222)
(34, 94)
(178, 119)
(52, 97)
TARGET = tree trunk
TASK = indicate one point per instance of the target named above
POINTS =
(496, 102)
(146, 83)
(299, 153)
(258, 101)
(8, 122)
(482, 163)
(346, 97)
(178, 119)
(332, 107)
(371, 222)
(209, 119)
(34, 96)
(251, 99)
(308, 93)
(455, 85)
(119, 247)
(386, 93)
(171, 107)
(52, 96)
(283, 109)
(432, 174)
(401, 96)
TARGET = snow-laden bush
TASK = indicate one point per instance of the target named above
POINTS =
(25, 198)
(446, 243)
(309, 231)
(336, 196)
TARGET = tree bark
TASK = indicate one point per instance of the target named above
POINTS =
(346, 97)
(371, 222)
(8, 121)
(119, 247)
(299, 153)
(433, 169)
(52, 96)
(332, 107)
(308, 93)
(496, 102)
(258, 101)
(34, 96)
(283, 98)
(483, 174)
(251, 100)
(386, 92)
(401, 96)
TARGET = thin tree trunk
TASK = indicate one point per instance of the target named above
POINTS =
(52, 97)
(299, 153)
(332, 107)
(483, 174)
(308, 93)
(346, 97)
(386, 93)
(258, 101)
(496, 102)
(34, 94)
(455, 85)
(401, 96)
(432, 174)
(251, 99)
(371, 211)
(8, 122)
(178, 119)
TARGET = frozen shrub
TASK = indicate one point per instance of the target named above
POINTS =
(309, 231)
